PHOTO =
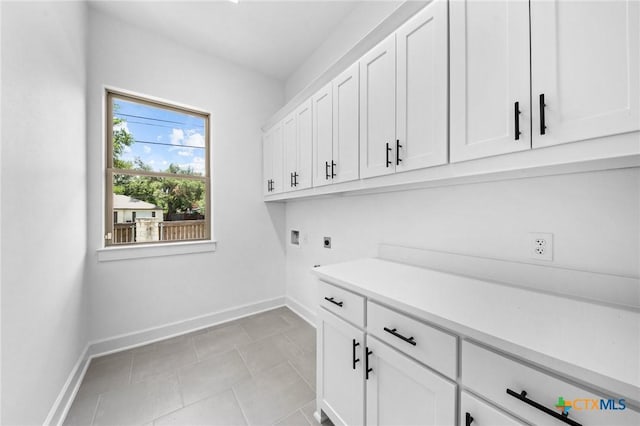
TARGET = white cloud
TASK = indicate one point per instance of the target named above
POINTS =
(187, 152)
(176, 136)
(126, 149)
(146, 149)
(191, 138)
(197, 164)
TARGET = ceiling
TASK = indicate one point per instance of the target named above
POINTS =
(272, 37)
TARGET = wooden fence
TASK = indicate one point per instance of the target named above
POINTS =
(179, 230)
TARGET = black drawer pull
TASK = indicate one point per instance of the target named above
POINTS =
(367, 370)
(409, 340)
(468, 419)
(354, 359)
(543, 126)
(516, 112)
(332, 300)
(522, 396)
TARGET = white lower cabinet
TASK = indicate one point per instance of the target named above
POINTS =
(401, 391)
(475, 412)
(340, 370)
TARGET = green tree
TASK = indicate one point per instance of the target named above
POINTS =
(121, 139)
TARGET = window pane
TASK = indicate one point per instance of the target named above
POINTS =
(157, 139)
(148, 209)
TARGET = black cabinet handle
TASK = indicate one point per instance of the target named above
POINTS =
(388, 163)
(516, 118)
(367, 370)
(543, 126)
(326, 170)
(522, 396)
(354, 359)
(332, 167)
(269, 185)
(291, 180)
(409, 340)
(295, 178)
(398, 146)
(332, 300)
(468, 419)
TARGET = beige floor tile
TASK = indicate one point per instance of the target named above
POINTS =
(291, 317)
(294, 419)
(304, 363)
(304, 336)
(219, 340)
(163, 357)
(81, 411)
(266, 353)
(273, 394)
(212, 376)
(308, 410)
(139, 403)
(221, 409)
(264, 324)
(106, 373)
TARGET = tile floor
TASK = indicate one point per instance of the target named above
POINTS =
(258, 370)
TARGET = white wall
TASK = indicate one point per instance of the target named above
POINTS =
(594, 218)
(44, 325)
(132, 295)
(358, 23)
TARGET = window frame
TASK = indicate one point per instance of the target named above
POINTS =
(110, 170)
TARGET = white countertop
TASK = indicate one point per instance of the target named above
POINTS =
(596, 344)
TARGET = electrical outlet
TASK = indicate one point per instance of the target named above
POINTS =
(541, 246)
(327, 242)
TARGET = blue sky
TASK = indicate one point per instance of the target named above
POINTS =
(162, 136)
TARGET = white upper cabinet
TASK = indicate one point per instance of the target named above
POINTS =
(489, 78)
(296, 137)
(304, 139)
(273, 160)
(322, 108)
(403, 97)
(345, 125)
(289, 141)
(584, 57)
(421, 107)
(377, 109)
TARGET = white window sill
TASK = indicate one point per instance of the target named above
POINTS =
(109, 254)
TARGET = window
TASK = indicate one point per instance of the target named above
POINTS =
(157, 172)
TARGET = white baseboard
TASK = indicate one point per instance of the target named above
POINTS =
(61, 406)
(304, 312)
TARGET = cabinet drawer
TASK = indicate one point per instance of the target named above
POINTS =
(490, 375)
(476, 412)
(428, 345)
(343, 303)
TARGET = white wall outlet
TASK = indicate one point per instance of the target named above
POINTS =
(541, 246)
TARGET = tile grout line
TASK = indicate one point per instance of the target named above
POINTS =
(95, 410)
(300, 375)
(246, 419)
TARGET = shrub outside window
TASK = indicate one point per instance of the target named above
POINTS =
(157, 172)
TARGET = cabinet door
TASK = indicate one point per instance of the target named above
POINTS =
(489, 73)
(378, 109)
(278, 159)
(421, 110)
(402, 392)
(267, 161)
(474, 412)
(345, 125)
(322, 136)
(340, 380)
(584, 59)
(289, 142)
(304, 131)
